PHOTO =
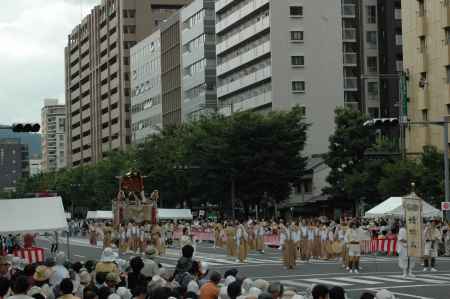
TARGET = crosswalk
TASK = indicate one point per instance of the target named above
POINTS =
(369, 281)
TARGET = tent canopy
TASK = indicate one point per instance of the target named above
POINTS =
(393, 207)
(174, 214)
(25, 215)
(99, 215)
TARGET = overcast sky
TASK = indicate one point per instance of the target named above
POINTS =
(33, 34)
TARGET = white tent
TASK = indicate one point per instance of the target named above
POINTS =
(393, 207)
(99, 215)
(24, 215)
(174, 214)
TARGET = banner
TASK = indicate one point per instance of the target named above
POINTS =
(412, 206)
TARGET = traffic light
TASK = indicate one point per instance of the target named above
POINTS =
(26, 127)
(382, 122)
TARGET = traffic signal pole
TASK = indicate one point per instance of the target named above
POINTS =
(446, 170)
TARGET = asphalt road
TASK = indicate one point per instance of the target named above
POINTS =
(377, 273)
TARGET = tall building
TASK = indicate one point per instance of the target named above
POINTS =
(146, 108)
(53, 127)
(372, 46)
(14, 163)
(273, 55)
(426, 42)
(32, 140)
(171, 71)
(198, 59)
(97, 58)
(35, 166)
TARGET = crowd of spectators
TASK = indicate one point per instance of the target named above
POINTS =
(143, 277)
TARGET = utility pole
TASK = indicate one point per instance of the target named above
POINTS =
(446, 171)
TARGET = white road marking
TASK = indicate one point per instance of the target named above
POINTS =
(327, 282)
(385, 279)
(296, 283)
(355, 280)
(79, 256)
(418, 278)
(167, 265)
(435, 276)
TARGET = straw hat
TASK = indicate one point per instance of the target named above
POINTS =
(42, 273)
(150, 252)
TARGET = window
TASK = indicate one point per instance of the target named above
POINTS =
(298, 61)
(371, 14)
(372, 64)
(298, 86)
(372, 90)
(425, 114)
(447, 35)
(422, 44)
(296, 11)
(448, 73)
(132, 13)
(372, 39)
(422, 10)
(297, 36)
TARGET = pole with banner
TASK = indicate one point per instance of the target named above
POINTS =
(412, 207)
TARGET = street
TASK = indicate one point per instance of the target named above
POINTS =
(377, 273)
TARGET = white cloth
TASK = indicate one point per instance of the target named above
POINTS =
(59, 273)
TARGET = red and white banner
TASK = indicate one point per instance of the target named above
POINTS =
(32, 254)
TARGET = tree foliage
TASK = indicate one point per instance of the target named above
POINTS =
(196, 162)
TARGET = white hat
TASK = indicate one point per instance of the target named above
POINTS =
(203, 267)
(384, 294)
(108, 255)
(124, 293)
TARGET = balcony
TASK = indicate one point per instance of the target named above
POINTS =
(243, 35)
(221, 4)
(422, 27)
(240, 14)
(349, 35)
(350, 59)
(422, 62)
(248, 104)
(351, 84)
(398, 40)
(245, 81)
(85, 47)
(244, 58)
(85, 87)
(398, 14)
(349, 11)
(423, 99)
(446, 17)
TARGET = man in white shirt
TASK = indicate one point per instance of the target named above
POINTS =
(405, 262)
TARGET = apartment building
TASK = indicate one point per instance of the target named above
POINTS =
(53, 128)
(198, 59)
(372, 46)
(171, 70)
(273, 55)
(97, 63)
(426, 42)
(14, 163)
(146, 107)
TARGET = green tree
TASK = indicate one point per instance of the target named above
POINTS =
(350, 176)
(398, 176)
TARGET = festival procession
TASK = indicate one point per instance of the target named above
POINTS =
(139, 251)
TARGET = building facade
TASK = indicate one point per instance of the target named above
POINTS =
(14, 163)
(372, 46)
(426, 42)
(35, 167)
(97, 59)
(53, 128)
(146, 107)
(273, 55)
(171, 71)
(198, 59)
